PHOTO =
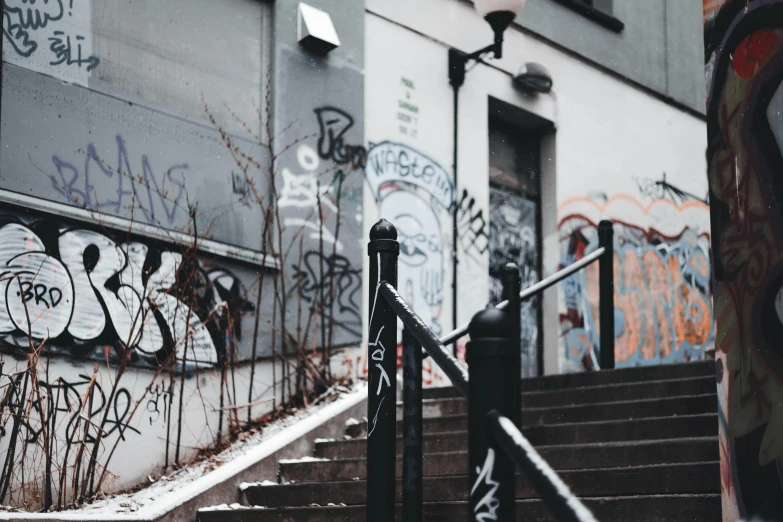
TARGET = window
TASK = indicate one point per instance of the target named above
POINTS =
(599, 11)
(515, 223)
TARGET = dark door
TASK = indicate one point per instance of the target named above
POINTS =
(515, 224)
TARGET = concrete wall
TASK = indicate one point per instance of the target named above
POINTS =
(127, 128)
(659, 47)
(744, 120)
(611, 143)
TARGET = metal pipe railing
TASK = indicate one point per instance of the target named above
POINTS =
(447, 362)
(554, 492)
(533, 290)
(493, 354)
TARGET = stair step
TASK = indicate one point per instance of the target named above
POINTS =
(568, 380)
(702, 425)
(620, 392)
(619, 410)
(648, 480)
(643, 508)
(627, 391)
(578, 456)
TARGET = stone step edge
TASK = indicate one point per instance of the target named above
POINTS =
(575, 406)
(250, 485)
(695, 416)
(211, 509)
(586, 445)
(610, 387)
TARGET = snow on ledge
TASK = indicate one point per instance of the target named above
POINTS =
(304, 423)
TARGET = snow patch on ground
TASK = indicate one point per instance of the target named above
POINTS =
(244, 485)
(303, 459)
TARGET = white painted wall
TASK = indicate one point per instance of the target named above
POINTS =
(608, 133)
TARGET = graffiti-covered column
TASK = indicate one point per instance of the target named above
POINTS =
(744, 57)
(319, 156)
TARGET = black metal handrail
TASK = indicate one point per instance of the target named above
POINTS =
(421, 332)
(493, 354)
(532, 290)
(565, 506)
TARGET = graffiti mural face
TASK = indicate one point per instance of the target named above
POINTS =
(411, 189)
(420, 276)
(744, 44)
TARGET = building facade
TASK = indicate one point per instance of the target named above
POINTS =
(186, 192)
(619, 137)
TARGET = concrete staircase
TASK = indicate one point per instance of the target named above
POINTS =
(635, 444)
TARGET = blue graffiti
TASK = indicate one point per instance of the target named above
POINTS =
(134, 192)
(663, 309)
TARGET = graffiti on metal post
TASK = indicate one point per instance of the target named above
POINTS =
(485, 488)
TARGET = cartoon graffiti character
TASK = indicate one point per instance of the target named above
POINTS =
(409, 188)
(421, 250)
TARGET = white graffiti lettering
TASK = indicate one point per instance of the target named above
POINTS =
(487, 507)
(94, 289)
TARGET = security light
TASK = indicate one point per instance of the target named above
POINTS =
(533, 77)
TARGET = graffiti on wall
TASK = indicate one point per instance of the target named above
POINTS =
(663, 302)
(85, 293)
(331, 280)
(155, 198)
(310, 201)
(744, 65)
(68, 400)
(50, 36)
(513, 239)
(471, 228)
(410, 188)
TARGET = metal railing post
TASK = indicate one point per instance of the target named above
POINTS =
(412, 453)
(383, 250)
(491, 353)
(606, 294)
(512, 286)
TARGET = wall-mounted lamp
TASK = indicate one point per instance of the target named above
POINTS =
(499, 14)
(315, 30)
(534, 78)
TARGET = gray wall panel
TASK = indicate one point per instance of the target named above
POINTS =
(641, 51)
(68, 144)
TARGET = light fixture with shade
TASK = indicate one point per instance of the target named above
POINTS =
(499, 14)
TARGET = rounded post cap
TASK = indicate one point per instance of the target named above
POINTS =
(490, 322)
(605, 223)
(511, 269)
(383, 229)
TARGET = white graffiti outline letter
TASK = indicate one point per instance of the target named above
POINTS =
(488, 501)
